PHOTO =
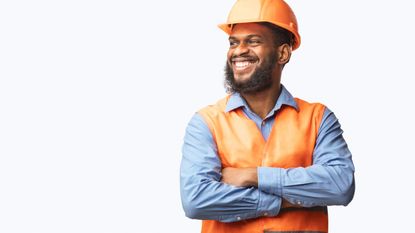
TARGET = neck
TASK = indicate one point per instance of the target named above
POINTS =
(262, 102)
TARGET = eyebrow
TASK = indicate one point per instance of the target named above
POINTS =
(247, 37)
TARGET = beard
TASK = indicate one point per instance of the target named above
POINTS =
(260, 80)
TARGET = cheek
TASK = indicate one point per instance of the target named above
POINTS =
(259, 53)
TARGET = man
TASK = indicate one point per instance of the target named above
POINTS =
(260, 160)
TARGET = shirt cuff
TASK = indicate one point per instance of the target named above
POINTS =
(269, 180)
(268, 205)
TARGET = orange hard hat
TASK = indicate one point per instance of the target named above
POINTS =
(276, 12)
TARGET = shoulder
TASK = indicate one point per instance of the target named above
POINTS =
(305, 105)
(311, 111)
(214, 109)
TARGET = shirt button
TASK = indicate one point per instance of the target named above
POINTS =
(265, 214)
(263, 123)
(298, 202)
(238, 218)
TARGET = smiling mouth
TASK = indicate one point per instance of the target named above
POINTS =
(243, 65)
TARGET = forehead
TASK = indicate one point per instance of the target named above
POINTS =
(249, 29)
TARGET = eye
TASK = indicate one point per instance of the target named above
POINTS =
(232, 43)
(254, 42)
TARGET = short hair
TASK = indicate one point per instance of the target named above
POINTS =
(281, 35)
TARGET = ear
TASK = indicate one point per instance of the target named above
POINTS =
(284, 54)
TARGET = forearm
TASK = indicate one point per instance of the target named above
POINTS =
(204, 199)
(317, 185)
(313, 186)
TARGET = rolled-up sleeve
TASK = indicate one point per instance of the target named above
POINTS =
(203, 195)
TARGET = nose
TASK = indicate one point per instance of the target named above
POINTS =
(241, 49)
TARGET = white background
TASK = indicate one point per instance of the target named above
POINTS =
(95, 97)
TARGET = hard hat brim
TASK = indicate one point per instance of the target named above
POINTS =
(227, 28)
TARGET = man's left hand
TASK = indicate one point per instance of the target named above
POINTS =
(240, 177)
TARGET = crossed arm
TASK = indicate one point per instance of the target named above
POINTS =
(246, 177)
(235, 194)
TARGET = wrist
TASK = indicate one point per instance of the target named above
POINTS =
(251, 177)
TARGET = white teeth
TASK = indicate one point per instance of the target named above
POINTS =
(242, 64)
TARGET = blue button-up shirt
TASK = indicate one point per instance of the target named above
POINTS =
(329, 181)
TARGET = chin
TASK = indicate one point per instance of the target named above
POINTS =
(242, 78)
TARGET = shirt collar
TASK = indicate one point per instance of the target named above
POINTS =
(236, 101)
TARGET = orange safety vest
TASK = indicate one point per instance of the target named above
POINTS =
(290, 144)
